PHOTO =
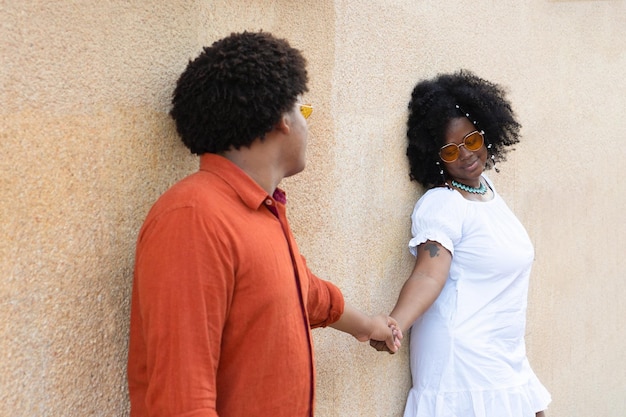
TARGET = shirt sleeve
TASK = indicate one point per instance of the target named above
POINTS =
(437, 216)
(325, 302)
(181, 313)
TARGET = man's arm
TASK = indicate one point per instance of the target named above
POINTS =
(364, 327)
(326, 307)
(176, 336)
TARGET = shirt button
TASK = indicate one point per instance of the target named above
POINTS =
(268, 202)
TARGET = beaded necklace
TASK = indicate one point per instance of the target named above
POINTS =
(480, 190)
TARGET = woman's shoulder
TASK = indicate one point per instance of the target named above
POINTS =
(439, 215)
(439, 195)
(439, 200)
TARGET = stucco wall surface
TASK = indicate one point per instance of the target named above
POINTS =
(87, 146)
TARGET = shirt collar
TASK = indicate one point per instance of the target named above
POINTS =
(251, 193)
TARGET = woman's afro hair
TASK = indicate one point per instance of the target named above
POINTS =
(436, 101)
(236, 90)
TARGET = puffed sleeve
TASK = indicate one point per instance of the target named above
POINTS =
(438, 216)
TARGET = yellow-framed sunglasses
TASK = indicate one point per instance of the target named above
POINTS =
(305, 109)
(473, 141)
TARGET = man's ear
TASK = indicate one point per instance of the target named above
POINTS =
(284, 124)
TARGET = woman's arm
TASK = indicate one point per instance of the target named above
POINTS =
(422, 288)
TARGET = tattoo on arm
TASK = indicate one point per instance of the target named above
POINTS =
(432, 249)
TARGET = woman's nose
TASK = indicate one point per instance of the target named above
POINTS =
(464, 152)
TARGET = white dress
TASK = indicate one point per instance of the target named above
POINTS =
(468, 354)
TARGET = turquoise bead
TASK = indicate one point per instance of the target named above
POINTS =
(480, 190)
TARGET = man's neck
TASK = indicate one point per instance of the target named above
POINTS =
(257, 162)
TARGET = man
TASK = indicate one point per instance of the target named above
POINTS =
(223, 302)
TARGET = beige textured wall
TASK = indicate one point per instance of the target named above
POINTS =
(87, 146)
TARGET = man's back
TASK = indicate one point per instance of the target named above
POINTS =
(215, 291)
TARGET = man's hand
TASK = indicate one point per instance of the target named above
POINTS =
(387, 338)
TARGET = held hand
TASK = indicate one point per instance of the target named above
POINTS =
(380, 346)
(386, 338)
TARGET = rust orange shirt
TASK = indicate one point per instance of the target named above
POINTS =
(223, 303)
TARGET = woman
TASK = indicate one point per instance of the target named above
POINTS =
(466, 297)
